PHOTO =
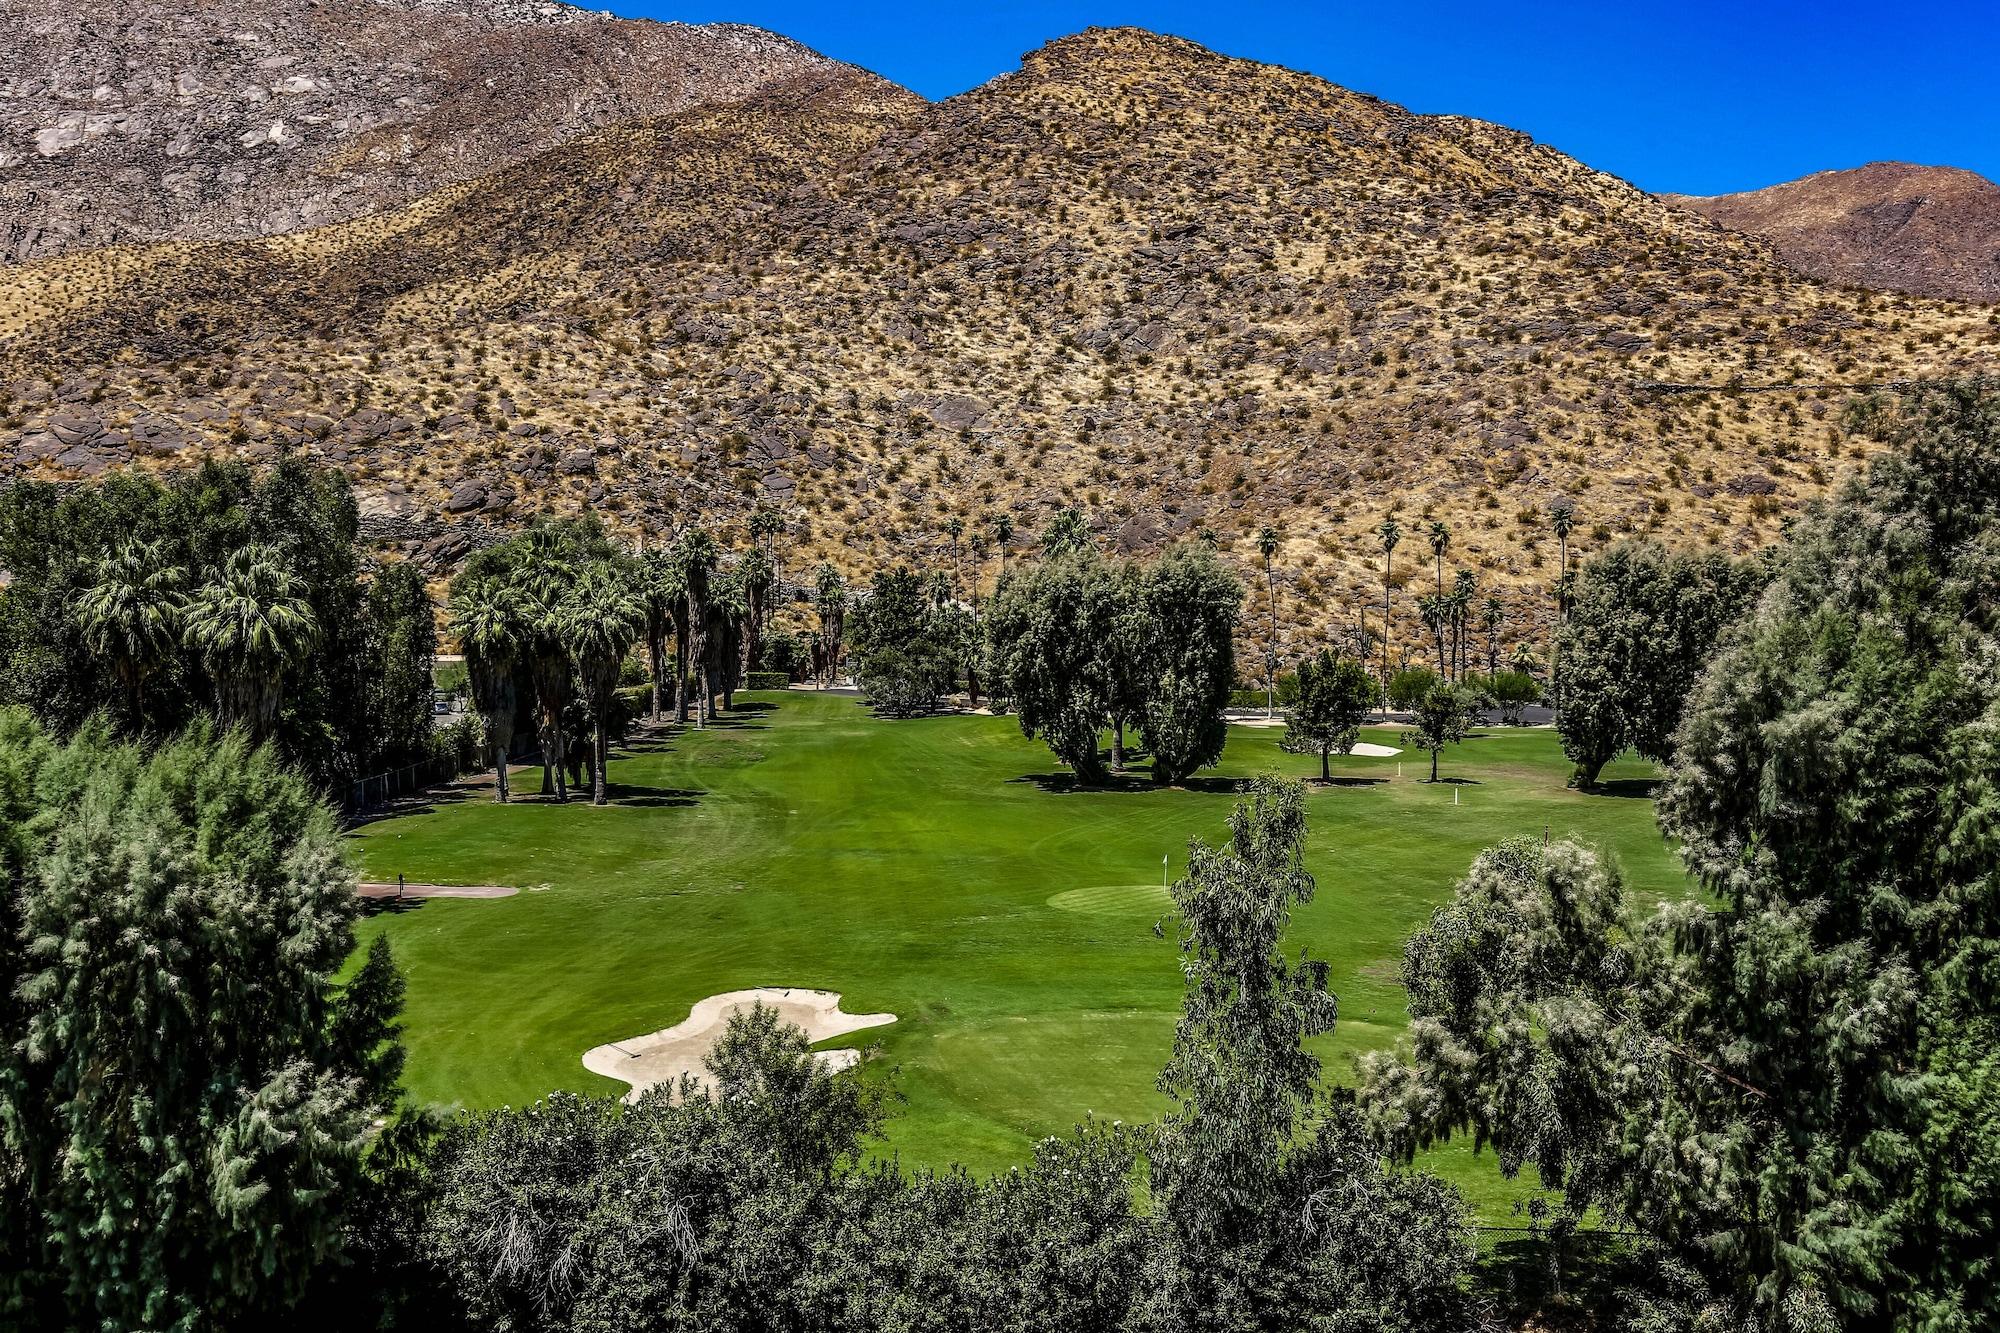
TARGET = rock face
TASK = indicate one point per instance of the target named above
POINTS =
(1932, 231)
(153, 120)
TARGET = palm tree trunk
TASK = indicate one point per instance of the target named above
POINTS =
(599, 751)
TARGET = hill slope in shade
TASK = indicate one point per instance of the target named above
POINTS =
(148, 120)
(1184, 292)
(1932, 231)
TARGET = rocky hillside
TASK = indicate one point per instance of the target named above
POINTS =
(1181, 291)
(153, 120)
(1933, 231)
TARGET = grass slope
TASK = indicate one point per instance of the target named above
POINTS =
(940, 869)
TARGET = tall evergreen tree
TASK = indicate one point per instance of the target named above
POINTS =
(1188, 604)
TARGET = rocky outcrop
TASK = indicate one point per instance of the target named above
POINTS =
(153, 120)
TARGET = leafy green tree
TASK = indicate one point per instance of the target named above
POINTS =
(1272, 1210)
(132, 614)
(907, 645)
(1441, 717)
(1642, 624)
(402, 654)
(1513, 691)
(249, 626)
(602, 617)
(191, 1091)
(1187, 608)
(1336, 695)
(1408, 687)
(1052, 632)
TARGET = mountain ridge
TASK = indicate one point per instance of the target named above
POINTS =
(1897, 226)
(1183, 292)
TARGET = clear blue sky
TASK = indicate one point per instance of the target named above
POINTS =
(1699, 97)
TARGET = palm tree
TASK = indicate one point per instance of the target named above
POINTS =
(728, 616)
(1431, 609)
(1495, 613)
(1390, 534)
(1267, 546)
(249, 625)
(954, 528)
(1003, 532)
(695, 556)
(660, 587)
(601, 618)
(1464, 587)
(1562, 517)
(830, 592)
(487, 615)
(1440, 536)
(132, 614)
(754, 579)
(541, 586)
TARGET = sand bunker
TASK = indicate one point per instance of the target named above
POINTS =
(663, 1056)
(1370, 750)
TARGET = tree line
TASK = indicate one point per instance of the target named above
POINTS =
(222, 593)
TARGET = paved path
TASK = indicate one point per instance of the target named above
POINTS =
(380, 891)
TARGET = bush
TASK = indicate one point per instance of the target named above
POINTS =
(1408, 687)
(766, 680)
(462, 741)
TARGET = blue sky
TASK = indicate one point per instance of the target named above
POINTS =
(1699, 97)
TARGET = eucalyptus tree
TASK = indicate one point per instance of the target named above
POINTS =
(486, 615)
(603, 615)
(1187, 604)
(1390, 536)
(1054, 638)
(1271, 1204)
(131, 613)
(830, 597)
(189, 1086)
(249, 626)
(1441, 717)
(1267, 546)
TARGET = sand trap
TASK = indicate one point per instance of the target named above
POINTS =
(663, 1056)
(380, 891)
(1370, 750)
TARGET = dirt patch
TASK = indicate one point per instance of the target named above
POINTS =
(380, 892)
(663, 1056)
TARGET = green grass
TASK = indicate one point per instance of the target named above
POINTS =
(939, 869)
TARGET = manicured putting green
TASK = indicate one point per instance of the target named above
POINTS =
(943, 870)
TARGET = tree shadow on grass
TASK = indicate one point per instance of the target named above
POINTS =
(1127, 783)
(390, 906)
(1341, 780)
(424, 802)
(634, 796)
(1628, 788)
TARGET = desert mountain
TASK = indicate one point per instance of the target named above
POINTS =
(1933, 231)
(1182, 291)
(144, 120)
